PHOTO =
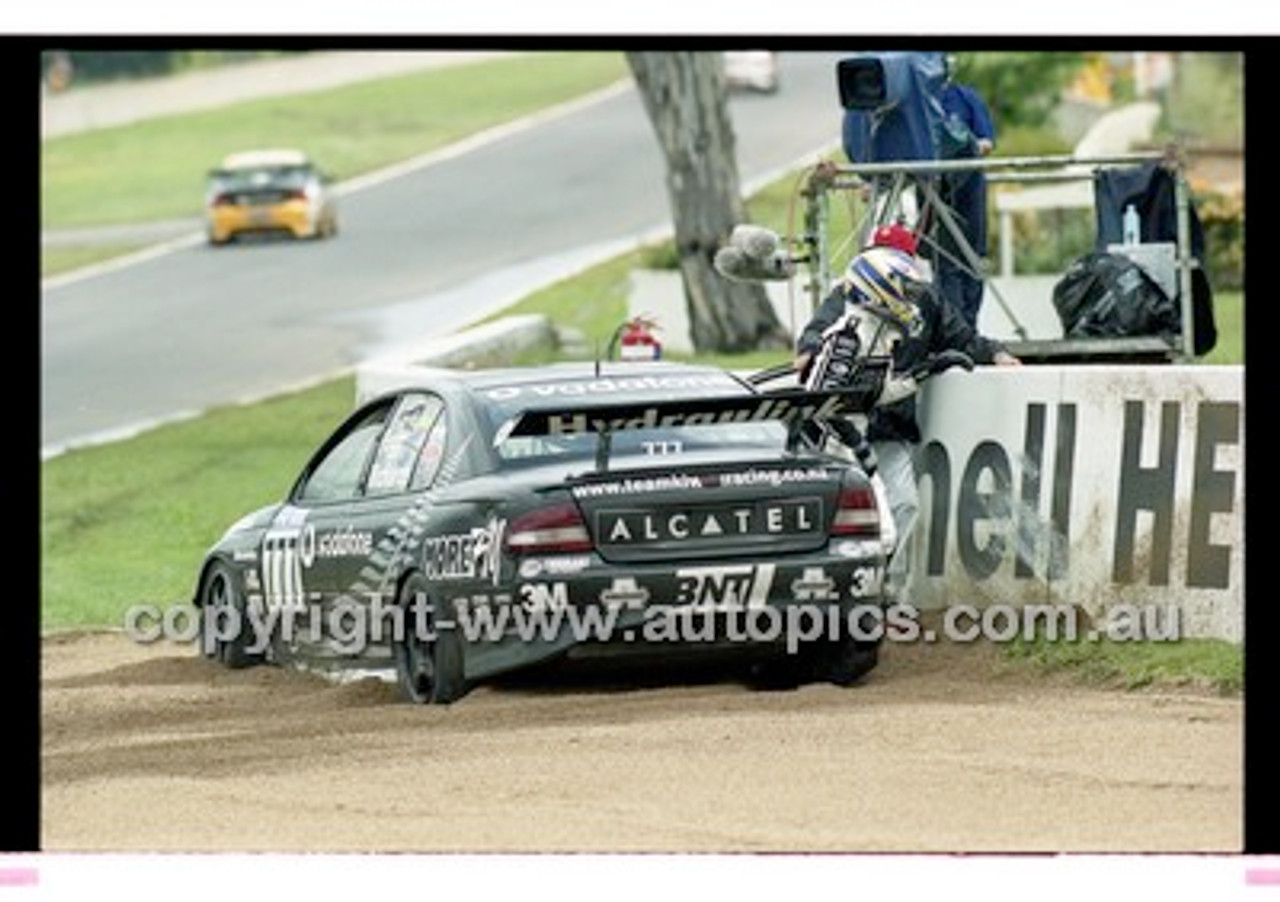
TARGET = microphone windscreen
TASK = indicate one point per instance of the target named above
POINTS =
(732, 263)
(755, 241)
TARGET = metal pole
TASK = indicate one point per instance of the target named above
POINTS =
(1006, 243)
(970, 256)
(1185, 264)
(986, 164)
(815, 237)
(824, 250)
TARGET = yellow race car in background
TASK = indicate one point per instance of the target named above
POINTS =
(263, 191)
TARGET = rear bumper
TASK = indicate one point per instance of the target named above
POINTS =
(227, 221)
(752, 607)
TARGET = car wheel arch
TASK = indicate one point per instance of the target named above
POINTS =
(210, 565)
(442, 691)
(232, 651)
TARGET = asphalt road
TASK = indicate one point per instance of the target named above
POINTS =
(425, 252)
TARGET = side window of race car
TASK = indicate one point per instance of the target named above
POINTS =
(404, 444)
(337, 475)
(432, 455)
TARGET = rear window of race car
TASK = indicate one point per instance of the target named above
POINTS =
(501, 403)
(275, 177)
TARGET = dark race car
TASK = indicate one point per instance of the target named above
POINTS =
(472, 523)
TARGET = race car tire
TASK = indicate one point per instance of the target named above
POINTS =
(428, 656)
(848, 661)
(790, 671)
(221, 591)
(842, 661)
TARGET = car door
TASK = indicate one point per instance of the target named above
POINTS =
(363, 544)
(298, 580)
(330, 559)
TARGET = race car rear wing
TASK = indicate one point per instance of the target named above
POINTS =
(794, 407)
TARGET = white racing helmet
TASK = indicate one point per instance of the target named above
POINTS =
(883, 279)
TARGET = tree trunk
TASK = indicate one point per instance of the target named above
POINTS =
(684, 96)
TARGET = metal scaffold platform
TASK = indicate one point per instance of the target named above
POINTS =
(1017, 309)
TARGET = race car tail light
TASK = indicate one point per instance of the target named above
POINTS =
(856, 513)
(559, 527)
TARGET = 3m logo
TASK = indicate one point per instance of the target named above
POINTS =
(536, 597)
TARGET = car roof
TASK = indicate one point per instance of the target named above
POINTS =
(571, 371)
(610, 379)
(252, 159)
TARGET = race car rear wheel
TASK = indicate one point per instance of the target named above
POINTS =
(847, 661)
(843, 662)
(225, 636)
(428, 652)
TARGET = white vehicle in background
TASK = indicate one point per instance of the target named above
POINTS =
(754, 70)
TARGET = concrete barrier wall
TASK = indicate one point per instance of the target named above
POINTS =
(1087, 485)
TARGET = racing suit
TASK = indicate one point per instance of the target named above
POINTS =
(892, 429)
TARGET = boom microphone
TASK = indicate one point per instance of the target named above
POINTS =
(754, 254)
(732, 263)
(755, 241)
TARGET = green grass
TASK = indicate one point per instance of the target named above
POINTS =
(1211, 664)
(590, 305)
(1228, 316)
(55, 260)
(128, 523)
(155, 169)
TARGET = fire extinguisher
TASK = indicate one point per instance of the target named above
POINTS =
(636, 340)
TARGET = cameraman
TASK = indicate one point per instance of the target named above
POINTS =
(928, 326)
(968, 132)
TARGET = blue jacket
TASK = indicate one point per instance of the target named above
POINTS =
(966, 106)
